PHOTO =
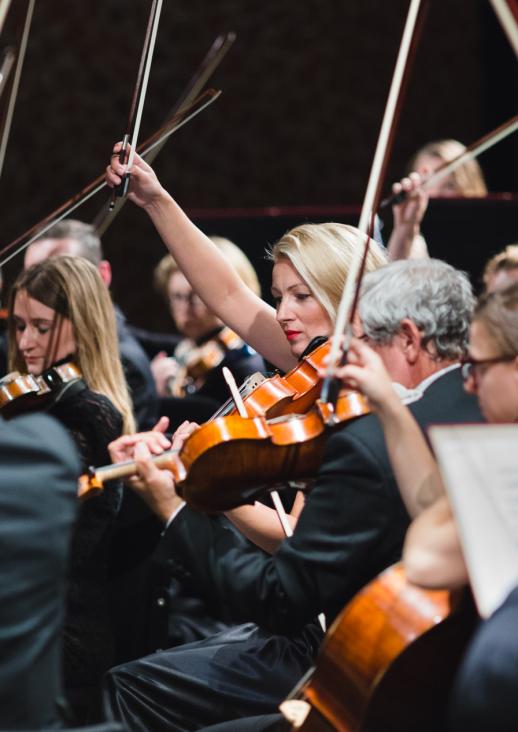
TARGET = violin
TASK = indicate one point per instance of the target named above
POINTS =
(24, 392)
(293, 393)
(388, 661)
(231, 460)
(195, 362)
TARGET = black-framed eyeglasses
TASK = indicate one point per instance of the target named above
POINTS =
(470, 366)
(191, 299)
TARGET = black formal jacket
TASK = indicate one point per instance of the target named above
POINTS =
(38, 486)
(351, 528)
(485, 693)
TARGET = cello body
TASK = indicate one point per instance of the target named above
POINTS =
(388, 661)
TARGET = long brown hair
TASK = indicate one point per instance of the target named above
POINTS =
(73, 288)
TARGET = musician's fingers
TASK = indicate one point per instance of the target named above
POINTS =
(145, 468)
(156, 480)
(112, 179)
(123, 447)
(161, 425)
(182, 433)
(116, 148)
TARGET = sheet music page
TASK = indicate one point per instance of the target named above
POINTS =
(479, 465)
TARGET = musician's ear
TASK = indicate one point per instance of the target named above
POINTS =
(411, 340)
(105, 271)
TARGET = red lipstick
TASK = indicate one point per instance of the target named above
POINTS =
(291, 334)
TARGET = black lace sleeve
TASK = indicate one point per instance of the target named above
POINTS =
(93, 422)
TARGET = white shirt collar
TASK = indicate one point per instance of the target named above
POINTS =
(408, 396)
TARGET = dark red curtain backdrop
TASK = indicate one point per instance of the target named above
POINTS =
(304, 88)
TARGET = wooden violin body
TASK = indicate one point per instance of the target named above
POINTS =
(196, 362)
(230, 460)
(388, 660)
(24, 392)
(293, 393)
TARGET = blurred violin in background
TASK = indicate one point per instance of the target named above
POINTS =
(194, 362)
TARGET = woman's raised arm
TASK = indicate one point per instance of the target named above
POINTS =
(203, 264)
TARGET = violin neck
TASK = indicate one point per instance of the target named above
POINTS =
(129, 467)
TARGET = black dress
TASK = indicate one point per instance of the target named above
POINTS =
(93, 422)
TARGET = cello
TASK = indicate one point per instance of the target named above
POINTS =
(388, 661)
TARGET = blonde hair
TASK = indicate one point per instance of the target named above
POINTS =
(73, 288)
(498, 313)
(503, 261)
(468, 177)
(322, 254)
(232, 253)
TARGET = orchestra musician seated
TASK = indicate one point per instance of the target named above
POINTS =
(465, 181)
(79, 239)
(501, 271)
(191, 383)
(38, 506)
(485, 691)
(61, 322)
(353, 523)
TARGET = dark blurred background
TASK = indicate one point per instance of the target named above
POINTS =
(304, 89)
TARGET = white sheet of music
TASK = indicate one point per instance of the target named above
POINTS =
(479, 465)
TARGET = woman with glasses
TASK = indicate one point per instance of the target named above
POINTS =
(190, 382)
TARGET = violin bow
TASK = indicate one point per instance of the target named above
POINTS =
(470, 153)
(5, 68)
(16, 81)
(4, 9)
(349, 300)
(36, 231)
(210, 63)
(139, 96)
(507, 13)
